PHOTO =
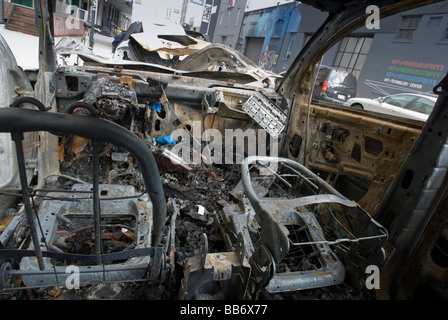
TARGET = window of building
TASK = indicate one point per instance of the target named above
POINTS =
(74, 8)
(273, 44)
(229, 13)
(352, 54)
(408, 27)
(28, 3)
(168, 13)
(292, 39)
(278, 28)
(239, 44)
(220, 18)
(237, 16)
(230, 3)
(434, 22)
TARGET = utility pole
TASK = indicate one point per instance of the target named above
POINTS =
(184, 11)
(207, 15)
(93, 21)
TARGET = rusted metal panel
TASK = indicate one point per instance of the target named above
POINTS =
(361, 144)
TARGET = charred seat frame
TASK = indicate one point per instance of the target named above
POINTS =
(17, 121)
(273, 215)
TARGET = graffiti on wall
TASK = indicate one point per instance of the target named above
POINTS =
(407, 76)
(269, 59)
(413, 74)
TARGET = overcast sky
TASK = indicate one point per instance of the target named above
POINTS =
(171, 9)
(257, 4)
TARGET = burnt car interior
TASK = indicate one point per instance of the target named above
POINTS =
(88, 184)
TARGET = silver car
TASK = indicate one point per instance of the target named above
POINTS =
(407, 105)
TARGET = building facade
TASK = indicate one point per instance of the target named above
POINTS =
(408, 53)
(230, 15)
(146, 10)
(192, 13)
(272, 37)
(210, 17)
(69, 16)
(405, 53)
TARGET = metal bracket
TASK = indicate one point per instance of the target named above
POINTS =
(266, 114)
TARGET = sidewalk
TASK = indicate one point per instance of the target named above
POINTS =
(25, 47)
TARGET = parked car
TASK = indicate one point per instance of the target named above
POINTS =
(408, 105)
(334, 85)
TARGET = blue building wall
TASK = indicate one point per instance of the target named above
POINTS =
(272, 25)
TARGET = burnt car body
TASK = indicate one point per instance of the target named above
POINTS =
(346, 189)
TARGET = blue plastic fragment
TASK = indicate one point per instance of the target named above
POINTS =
(156, 106)
(166, 140)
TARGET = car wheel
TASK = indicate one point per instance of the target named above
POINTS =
(357, 106)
